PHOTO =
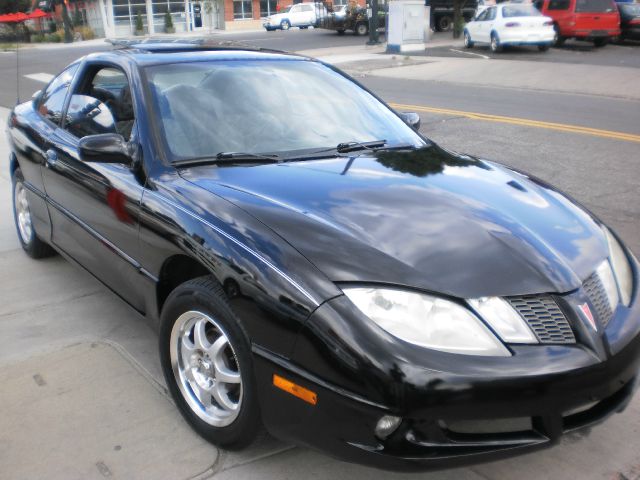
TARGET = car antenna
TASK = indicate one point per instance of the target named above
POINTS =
(17, 67)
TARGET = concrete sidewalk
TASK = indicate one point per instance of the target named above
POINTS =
(607, 81)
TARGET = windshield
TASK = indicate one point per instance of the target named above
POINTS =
(595, 6)
(520, 11)
(630, 9)
(285, 9)
(266, 106)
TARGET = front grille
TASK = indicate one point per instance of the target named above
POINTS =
(544, 317)
(598, 297)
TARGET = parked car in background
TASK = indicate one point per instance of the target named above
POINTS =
(594, 21)
(442, 13)
(629, 20)
(303, 15)
(510, 24)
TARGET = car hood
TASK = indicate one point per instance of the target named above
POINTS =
(427, 219)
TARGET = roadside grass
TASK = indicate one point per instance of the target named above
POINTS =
(11, 46)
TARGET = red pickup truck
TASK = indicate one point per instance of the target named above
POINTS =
(591, 20)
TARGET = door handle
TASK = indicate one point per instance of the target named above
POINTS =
(52, 158)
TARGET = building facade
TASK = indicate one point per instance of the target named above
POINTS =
(117, 18)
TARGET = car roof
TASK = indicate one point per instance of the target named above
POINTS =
(160, 51)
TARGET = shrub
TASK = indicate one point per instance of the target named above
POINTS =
(55, 37)
(86, 33)
(139, 24)
(168, 23)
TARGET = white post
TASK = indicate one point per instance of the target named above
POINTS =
(106, 14)
(150, 25)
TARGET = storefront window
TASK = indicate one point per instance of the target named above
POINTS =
(268, 7)
(242, 9)
(124, 12)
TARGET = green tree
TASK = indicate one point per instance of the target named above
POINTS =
(13, 6)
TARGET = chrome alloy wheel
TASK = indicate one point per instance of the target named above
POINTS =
(206, 368)
(23, 215)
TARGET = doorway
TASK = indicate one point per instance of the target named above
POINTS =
(196, 15)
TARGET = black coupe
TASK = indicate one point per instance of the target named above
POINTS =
(318, 266)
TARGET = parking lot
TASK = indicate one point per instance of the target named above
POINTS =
(83, 395)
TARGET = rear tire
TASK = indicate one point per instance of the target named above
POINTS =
(600, 42)
(543, 48)
(340, 32)
(467, 40)
(445, 23)
(206, 360)
(361, 29)
(29, 240)
(559, 40)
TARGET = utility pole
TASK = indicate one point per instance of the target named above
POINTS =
(373, 23)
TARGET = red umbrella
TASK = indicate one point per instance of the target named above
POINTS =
(37, 13)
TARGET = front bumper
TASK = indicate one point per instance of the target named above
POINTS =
(456, 410)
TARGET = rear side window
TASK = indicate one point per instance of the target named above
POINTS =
(52, 101)
(491, 13)
(595, 6)
(520, 11)
(558, 5)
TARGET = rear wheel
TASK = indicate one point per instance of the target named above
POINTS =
(285, 25)
(445, 23)
(559, 39)
(495, 43)
(206, 360)
(543, 48)
(304, 27)
(467, 40)
(29, 240)
(600, 42)
(362, 28)
(340, 32)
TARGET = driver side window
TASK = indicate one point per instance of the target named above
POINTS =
(482, 17)
(491, 13)
(103, 105)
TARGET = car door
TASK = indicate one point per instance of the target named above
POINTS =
(94, 207)
(295, 15)
(488, 24)
(475, 28)
(308, 15)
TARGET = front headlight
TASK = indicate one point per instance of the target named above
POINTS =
(621, 267)
(427, 321)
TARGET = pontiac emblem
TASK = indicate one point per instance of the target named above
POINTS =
(586, 311)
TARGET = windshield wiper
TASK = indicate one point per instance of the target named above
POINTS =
(229, 158)
(355, 146)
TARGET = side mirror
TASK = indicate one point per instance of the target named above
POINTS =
(412, 119)
(105, 148)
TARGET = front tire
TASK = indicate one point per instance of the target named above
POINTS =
(27, 235)
(207, 363)
(600, 42)
(467, 40)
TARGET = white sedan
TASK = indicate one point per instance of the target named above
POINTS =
(510, 24)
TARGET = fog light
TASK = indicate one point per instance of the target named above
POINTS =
(386, 426)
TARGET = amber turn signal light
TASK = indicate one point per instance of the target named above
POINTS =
(295, 390)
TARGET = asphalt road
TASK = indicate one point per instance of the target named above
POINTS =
(625, 54)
